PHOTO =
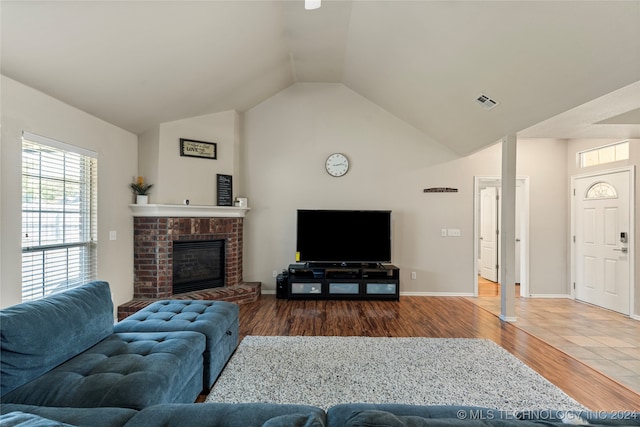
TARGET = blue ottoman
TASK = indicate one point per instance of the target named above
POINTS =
(217, 320)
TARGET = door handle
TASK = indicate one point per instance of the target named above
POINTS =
(623, 250)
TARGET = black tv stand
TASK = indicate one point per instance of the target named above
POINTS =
(343, 281)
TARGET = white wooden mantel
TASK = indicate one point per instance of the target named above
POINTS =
(200, 211)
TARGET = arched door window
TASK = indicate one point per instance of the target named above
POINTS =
(601, 190)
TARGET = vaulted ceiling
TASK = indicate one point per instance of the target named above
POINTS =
(139, 63)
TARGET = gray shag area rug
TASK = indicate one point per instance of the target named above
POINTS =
(326, 371)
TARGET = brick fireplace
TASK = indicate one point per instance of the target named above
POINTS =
(157, 227)
(153, 239)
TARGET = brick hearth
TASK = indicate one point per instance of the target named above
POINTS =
(153, 259)
(246, 292)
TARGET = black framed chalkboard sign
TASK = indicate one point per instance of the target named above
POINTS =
(225, 189)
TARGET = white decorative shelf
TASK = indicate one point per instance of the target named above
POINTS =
(188, 211)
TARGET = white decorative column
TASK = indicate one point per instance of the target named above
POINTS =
(508, 230)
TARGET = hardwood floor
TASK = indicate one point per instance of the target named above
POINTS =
(446, 317)
(487, 288)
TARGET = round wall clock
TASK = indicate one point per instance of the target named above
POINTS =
(337, 164)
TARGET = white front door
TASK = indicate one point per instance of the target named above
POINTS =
(602, 240)
(489, 233)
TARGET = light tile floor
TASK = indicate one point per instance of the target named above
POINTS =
(602, 339)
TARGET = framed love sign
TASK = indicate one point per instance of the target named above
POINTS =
(202, 149)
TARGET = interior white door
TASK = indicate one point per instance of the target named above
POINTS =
(518, 246)
(601, 254)
(488, 233)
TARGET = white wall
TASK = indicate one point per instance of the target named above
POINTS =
(176, 178)
(280, 168)
(286, 140)
(25, 109)
(543, 161)
(149, 160)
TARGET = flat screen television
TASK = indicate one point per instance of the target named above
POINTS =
(343, 236)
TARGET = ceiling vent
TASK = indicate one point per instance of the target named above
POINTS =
(486, 102)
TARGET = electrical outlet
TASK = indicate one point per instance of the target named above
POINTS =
(112, 235)
(275, 273)
(414, 276)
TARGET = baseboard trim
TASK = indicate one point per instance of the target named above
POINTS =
(436, 294)
(564, 296)
(448, 294)
(406, 294)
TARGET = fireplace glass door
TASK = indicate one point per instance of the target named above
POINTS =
(198, 265)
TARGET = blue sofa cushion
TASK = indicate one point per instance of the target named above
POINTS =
(217, 320)
(37, 336)
(339, 414)
(399, 415)
(211, 318)
(130, 370)
(20, 419)
(374, 418)
(615, 418)
(230, 415)
(80, 417)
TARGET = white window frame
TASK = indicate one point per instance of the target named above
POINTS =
(598, 152)
(59, 216)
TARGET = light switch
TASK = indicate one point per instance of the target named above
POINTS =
(453, 232)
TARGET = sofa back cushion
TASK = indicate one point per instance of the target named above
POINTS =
(37, 336)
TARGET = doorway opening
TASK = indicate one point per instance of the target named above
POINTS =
(487, 288)
(487, 249)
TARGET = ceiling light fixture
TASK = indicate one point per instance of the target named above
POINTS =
(312, 4)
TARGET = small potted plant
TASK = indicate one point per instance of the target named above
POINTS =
(141, 190)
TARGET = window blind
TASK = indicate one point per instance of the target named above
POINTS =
(59, 216)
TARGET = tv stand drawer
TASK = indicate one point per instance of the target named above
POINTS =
(313, 288)
(344, 288)
(388, 288)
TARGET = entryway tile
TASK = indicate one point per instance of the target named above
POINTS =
(612, 342)
(583, 341)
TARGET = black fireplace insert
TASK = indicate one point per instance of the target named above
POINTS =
(198, 265)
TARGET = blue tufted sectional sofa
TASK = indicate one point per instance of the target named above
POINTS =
(63, 362)
(63, 351)
(283, 415)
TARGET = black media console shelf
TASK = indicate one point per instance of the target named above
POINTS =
(327, 281)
